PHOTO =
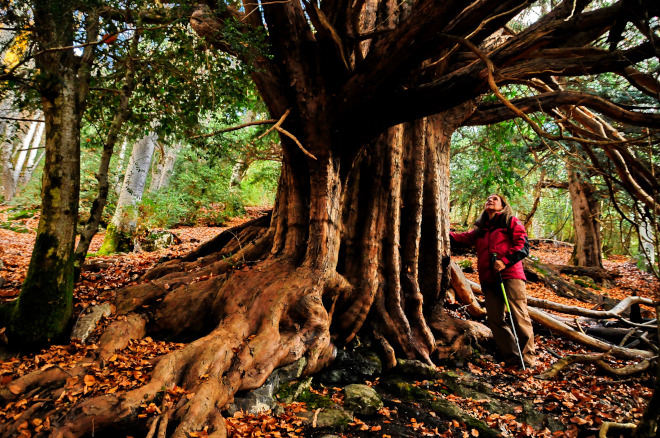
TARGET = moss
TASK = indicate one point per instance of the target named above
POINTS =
(406, 390)
(313, 400)
(115, 241)
(44, 307)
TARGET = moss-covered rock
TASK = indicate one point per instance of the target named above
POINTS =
(362, 399)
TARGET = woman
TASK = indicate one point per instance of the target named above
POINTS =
(501, 242)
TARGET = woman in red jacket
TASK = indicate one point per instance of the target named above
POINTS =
(501, 242)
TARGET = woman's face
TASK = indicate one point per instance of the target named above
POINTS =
(494, 203)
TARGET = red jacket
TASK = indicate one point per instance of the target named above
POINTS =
(508, 242)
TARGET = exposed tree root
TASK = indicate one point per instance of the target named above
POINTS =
(267, 319)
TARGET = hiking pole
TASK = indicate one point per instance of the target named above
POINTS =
(493, 259)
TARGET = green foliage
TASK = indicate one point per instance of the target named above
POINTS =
(465, 264)
(198, 194)
(260, 184)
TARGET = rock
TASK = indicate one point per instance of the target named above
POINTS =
(351, 367)
(86, 324)
(95, 265)
(156, 240)
(362, 399)
(263, 399)
(415, 369)
(332, 417)
(292, 392)
(291, 372)
(258, 400)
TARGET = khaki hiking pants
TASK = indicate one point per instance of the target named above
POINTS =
(500, 326)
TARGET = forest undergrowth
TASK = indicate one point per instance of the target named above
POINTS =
(582, 397)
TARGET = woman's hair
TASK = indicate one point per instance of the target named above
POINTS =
(505, 214)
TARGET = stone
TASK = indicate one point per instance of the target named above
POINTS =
(86, 323)
(156, 240)
(263, 399)
(333, 417)
(351, 367)
(258, 400)
(362, 399)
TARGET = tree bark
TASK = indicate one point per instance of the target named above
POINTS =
(163, 170)
(586, 219)
(122, 227)
(91, 227)
(44, 307)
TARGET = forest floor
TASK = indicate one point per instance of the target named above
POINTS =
(582, 397)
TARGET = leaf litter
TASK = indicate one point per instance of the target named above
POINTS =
(581, 398)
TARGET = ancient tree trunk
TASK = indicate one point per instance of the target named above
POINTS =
(120, 233)
(586, 219)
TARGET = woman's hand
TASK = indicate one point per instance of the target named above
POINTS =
(499, 265)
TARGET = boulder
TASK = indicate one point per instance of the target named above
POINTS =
(156, 240)
(362, 399)
(351, 367)
(332, 417)
(263, 399)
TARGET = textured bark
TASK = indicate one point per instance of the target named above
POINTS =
(162, 170)
(586, 220)
(44, 307)
(122, 227)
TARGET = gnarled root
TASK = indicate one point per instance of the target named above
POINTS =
(456, 338)
(265, 316)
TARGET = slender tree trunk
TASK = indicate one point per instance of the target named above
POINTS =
(123, 225)
(238, 172)
(162, 173)
(6, 154)
(117, 181)
(50, 273)
(647, 244)
(91, 227)
(586, 218)
(32, 160)
(42, 312)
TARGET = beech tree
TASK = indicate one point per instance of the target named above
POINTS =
(365, 96)
(121, 230)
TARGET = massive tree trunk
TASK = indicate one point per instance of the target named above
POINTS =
(586, 220)
(356, 251)
(121, 231)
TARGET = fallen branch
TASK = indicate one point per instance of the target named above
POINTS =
(553, 241)
(546, 274)
(607, 425)
(464, 291)
(595, 359)
(615, 312)
(574, 335)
